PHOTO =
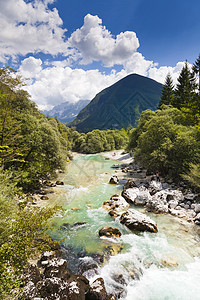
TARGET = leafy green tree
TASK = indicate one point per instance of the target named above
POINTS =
(167, 92)
(193, 175)
(21, 231)
(164, 142)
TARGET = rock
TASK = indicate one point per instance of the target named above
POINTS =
(50, 288)
(154, 187)
(169, 262)
(109, 232)
(33, 274)
(130, 184)
(173, 204)
(113, 249)
(78, 287)
(158, 203)
(137, 196)
(44, 197)
(197, 208)
(138, 221)
(190, 197)
(97, 290)
(47, 256)
(57, 267)
(29, 291)
(58, 182)
(113, 214)
(88, 268)
(197, 219)
(178, 213)
(186, 206)
(115, 166)
(116, 202)
(114, 180)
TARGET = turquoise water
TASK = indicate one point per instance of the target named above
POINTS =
(161, 266)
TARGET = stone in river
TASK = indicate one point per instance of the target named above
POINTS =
(116, 202)
(109, 232)
(97, 290)
(138, 221)
(114, 180)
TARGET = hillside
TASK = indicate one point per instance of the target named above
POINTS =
(120, 105)
(66, 112)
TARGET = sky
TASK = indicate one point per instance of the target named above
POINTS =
(71, 50)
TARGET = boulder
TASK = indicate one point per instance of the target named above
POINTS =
(57, 267)
(44, 197)
(169, 262)
(78, 287)
(158, 203)
(197, 208)
(138, 221)
(137, 196)
(190, 197)
(197, 219)
(109, 232)
(173, 204)
(97, 290)
(33, 274)
(116, 202)
(50, 288)
(154, 187)
(177, 212)
(114, 180)
(88, 268)
(130, 184)
(113, 249)
(58, 182)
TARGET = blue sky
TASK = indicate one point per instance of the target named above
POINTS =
(71, 50)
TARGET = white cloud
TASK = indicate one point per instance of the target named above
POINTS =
(30, 67)
(54, 85)
(29, 28)
(95, 43)
(159, 74)
(58, 83)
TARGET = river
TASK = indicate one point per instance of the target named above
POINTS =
(150, 266)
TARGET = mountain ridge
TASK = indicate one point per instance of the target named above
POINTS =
(66, 111)
(120, 104)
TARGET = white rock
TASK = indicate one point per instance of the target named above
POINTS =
(197, 208)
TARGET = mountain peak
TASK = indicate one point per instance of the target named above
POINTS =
(120, 105)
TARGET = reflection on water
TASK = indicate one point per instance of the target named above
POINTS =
(153, 266)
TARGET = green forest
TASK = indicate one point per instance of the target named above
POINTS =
(33, 147)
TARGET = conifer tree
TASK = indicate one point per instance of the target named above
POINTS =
(185, 89)
(196, 70)
(167, 91)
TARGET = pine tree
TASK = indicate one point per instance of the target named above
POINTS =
(196, 70)
(167, 91)
(185, 89)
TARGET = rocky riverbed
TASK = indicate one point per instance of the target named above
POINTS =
(60, 275)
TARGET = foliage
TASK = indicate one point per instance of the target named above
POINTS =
(97, 140)
(193, 175)
(163, 141)
(32, 145)
(20, 229)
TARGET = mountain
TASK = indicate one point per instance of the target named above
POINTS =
(120, 105)
(66, 112)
